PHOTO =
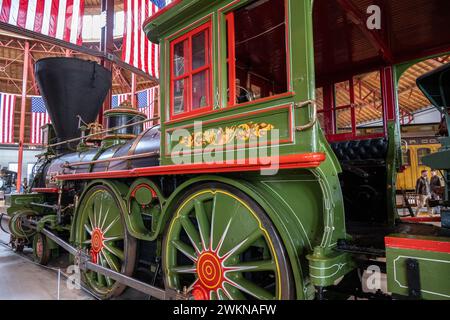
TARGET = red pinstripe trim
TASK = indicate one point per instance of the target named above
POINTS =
(45, 190)
(296, 161)
(418, 244)
(422, 219)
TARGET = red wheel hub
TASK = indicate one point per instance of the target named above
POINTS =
(96, 244)
(210, 272)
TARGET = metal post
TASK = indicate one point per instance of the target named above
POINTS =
(133, 90)
(26, 56)
(107, 47)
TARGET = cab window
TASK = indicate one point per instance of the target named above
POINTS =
(190, 57)
(422, 152)
(256, 53)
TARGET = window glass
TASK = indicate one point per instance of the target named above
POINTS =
(13, 167)
(342, 93)
(259, 63)
(368, 103)
(422, 152)
(343, 121)
(199, 50)
(179, 58)
(319, 98)
(406, 156)
(179, 97)
(199, 94)
(320, 117)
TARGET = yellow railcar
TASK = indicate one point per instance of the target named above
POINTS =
(414, 149)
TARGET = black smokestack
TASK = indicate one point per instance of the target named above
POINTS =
(72, 87)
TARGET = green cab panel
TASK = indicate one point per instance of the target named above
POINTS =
(431, 254)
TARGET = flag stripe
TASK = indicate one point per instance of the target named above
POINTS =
(39, 16)
(6, 6)
(147, 104)
(137, 50)
(68, 20)
(31, 14)
(62, 19)
(7, 103)
(22, 13)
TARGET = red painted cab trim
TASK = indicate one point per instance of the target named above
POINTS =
(45, 190)
(421, 219)
(295, 161)
(417, 244)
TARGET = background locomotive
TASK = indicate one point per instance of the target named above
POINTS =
(134, 211)
(7, 180)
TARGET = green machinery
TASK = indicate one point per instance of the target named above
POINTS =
(238, 194)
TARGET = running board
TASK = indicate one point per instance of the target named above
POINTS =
(84, 262)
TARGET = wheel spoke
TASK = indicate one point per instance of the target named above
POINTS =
(251, 288)
(253, 266)
(203, 223)
(102, 223)
(213, 295)
(120, 237)
(185, 249)
(101, 279)
(222, 295)
(183, 269)
(111, 261)
(222, 239)
(232, 292)
(104, 263)
(91, 221)
(88, 229)
(221, 217)
(105, 231)
(115, 251)
(192, 233)
(244, 244)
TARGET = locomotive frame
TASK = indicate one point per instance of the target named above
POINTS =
(280, 236)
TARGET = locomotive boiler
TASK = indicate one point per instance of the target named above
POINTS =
(237, 194)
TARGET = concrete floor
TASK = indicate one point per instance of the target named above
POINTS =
(21, 279)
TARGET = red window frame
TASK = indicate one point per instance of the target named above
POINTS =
(189, 73)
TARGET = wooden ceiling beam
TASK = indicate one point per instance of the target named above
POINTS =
(372, 36)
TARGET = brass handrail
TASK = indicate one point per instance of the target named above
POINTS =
(102, 132)
(313, 120)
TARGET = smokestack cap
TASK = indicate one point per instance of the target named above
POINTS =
(72, 87)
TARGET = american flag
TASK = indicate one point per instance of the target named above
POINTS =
(117, 99)
(39, 117)
(62, 19)
(146, 104)
(136, 49)
(7, 103)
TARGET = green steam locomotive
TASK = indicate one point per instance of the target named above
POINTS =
(239, 194)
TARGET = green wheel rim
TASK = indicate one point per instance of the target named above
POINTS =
(220, 245)
(101, 232)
